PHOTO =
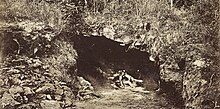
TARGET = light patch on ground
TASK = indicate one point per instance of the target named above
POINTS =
(128, 98)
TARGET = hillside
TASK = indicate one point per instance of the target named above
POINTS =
(113, 54)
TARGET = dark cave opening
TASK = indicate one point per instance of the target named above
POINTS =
(99, 54)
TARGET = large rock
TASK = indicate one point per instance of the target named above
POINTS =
(7, 101)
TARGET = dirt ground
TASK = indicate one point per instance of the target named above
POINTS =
(128, 98)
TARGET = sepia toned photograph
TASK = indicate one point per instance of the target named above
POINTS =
(109, 54)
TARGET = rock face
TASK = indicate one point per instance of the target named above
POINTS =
(34, 78)
(199, 83)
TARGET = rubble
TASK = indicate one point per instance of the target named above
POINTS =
(30, 105)
(121, 80)
(46, 88)
(85, 89)
(67, 96)
(29, 81)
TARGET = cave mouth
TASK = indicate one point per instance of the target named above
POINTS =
(98, 54)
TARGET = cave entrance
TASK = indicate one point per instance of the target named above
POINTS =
(100, 57)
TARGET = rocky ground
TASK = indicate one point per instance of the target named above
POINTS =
(58, 54)
(126, 99)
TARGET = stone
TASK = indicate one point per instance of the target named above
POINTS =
(28, 91)
(2, 91)
(16, 90)
(65, 88)
(84, 83)
(68, 102)
(46, 88)
(36, 63)
(68, 97)
(49, 97)
(50, 104)
(41, 96)
(58, 97)
(1, 82)
(108, 32)
(59, 91)
(15, 79)
(7, 101)
(25, 99)
(13, 71)
(199, 63)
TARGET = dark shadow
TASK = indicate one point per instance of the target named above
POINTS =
(100, 53)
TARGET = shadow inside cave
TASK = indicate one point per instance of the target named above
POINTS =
(99, 54)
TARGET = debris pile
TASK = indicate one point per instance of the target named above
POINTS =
(28, 85)
(32, 78)
(85, 89)
(123, 80)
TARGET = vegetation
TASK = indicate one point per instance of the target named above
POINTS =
(38, 39)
